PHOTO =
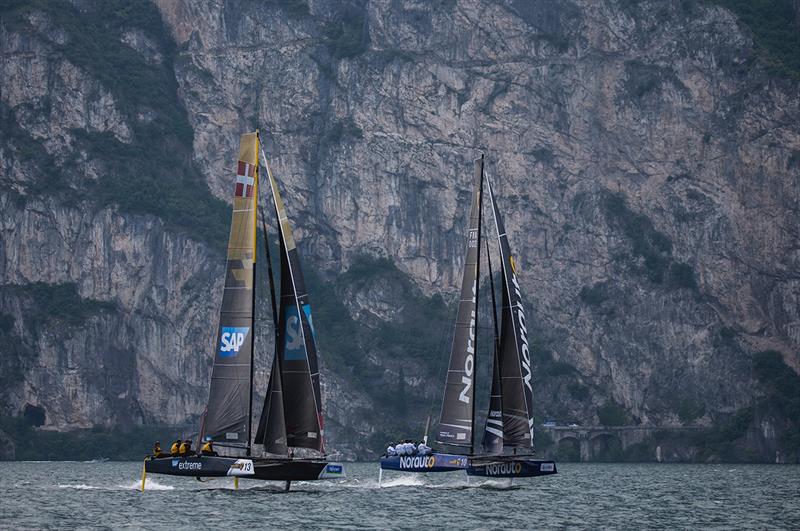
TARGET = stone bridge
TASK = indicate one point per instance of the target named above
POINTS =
(593, 440)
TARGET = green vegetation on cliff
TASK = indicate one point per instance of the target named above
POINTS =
(775, 25)
(154, 173)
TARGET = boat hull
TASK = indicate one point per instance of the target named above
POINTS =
(252, 468)
(434, 462)
(512, 467)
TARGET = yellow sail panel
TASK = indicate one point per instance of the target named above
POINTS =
(283, 220)
(242, 242)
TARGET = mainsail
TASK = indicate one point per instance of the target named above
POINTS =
(292, 415)
(227, 419)
(458, 408)
(513, 351)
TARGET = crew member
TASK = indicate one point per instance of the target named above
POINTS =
(423, 449)
(185, 448)
(175, 449)
(208, 448)
(157, 451)
(390, 451)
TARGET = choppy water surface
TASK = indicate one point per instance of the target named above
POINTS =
(88, 495)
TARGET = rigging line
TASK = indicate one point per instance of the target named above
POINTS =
(444, 336)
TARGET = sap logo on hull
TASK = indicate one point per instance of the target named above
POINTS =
(425, 461)
(187, 465)
(231, 340)
(503, 469)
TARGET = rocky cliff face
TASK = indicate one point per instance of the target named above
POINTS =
(647, 165)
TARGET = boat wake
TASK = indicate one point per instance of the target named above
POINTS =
(150, 484)
(79, 486)
(405, 481)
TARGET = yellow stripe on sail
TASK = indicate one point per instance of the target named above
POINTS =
(248, 148)
(242, 241)
(283, 219)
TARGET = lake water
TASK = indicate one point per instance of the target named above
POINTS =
(50, 495)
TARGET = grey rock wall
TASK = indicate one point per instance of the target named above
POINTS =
(646, 164)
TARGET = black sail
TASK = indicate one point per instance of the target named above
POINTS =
(493, 433)
(272, 426)
(296, 348)
(227, 419)
(458, 407)
(514, 353)
(493, 430)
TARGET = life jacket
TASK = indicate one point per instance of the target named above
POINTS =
(157, 451)
(175, 448)
(184, 449)
(207, 448)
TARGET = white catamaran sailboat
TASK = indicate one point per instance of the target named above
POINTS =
(509, 424)
(292, 413)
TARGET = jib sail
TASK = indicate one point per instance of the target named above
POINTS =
(272, 426)
(513, 351)
(293, 408)
(458, 407)
(493, 432)
(227, 419)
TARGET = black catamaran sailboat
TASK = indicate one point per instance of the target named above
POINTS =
(292, 413)
(509, 423)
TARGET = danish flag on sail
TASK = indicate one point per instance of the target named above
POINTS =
(245, 175)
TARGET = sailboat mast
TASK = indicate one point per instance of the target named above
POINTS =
(253, 306)
(477, 287)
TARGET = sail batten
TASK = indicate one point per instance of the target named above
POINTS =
(458, 406)
(227, 418)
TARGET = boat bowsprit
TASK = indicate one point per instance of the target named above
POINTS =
(435, 462)
(497, 466)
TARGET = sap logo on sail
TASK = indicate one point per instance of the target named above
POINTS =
(295, 348)
(231, 340)
(469, 361)
(424, 461)
(526, 355)
(503, 469)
